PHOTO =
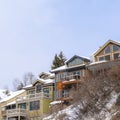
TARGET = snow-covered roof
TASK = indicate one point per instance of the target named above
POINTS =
(47, 81)
(52, 75)
(59, 68)
(14, 94)
(81, 57)
(11, 103)
(66, 68)
(3, 93)
(93, 63)
(28, 86)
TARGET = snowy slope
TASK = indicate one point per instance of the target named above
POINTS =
(70, 112)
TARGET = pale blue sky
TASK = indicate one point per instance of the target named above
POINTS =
(32, 31)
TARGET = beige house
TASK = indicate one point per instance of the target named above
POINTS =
(31, 103)
(105, 57)
(109, 51)
(9, 107)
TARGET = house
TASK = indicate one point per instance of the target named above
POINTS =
(30, 103)
(109, 51)
(105, 57)
(9, 108)
(68, 77)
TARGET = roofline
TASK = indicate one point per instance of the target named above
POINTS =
(83, 58)
(104, 45)
(68, 68)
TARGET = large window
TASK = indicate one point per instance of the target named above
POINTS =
(35, 105)
(107, 49)
(116, 56)
(101, 58)
(79, 61)
(115, 48)
(107, 57)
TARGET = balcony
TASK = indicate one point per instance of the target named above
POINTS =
(31, 97)
(16, 112)
(71, 79)
(4, 113)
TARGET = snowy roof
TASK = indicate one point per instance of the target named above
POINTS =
(52, 75)
(28, 86)
(93, 63)
(47, 81)
(3, 93)
(81, 57)
(66, 68)
(11, 103)
(59, 68)
(14, 94)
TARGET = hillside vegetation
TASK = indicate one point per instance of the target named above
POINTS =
(98, 98)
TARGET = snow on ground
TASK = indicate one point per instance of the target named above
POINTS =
(70, 111)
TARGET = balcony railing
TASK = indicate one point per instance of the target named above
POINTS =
(36, 96)
(71, 79)
(4, 113)
(16, 112)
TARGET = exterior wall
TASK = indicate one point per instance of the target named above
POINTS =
(44, 104)
(68, 76)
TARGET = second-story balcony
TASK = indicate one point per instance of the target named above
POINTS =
(16, 112)
(4, 113)
(71, 79)
(31, 97)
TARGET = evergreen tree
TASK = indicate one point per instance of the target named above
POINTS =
(59, 60)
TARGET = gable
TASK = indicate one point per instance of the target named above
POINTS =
(37, 82)
(109, 51)
(108, 43)
(75, 61)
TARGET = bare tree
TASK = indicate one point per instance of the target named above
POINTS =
(94, 92)
(28, 78)
(18, 85)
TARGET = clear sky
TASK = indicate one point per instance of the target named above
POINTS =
(33, 31)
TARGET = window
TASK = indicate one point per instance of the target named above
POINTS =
(3, 108)
(101, 58)
(107, 57)
(116, 56)
(22, 105)
(115, 48)
(35, 105)
(38, 88)
(107, 49)
(72, 63)
(32, 92)
(46, 92)
(79, 61)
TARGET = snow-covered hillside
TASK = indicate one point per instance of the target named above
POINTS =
(73, 112)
